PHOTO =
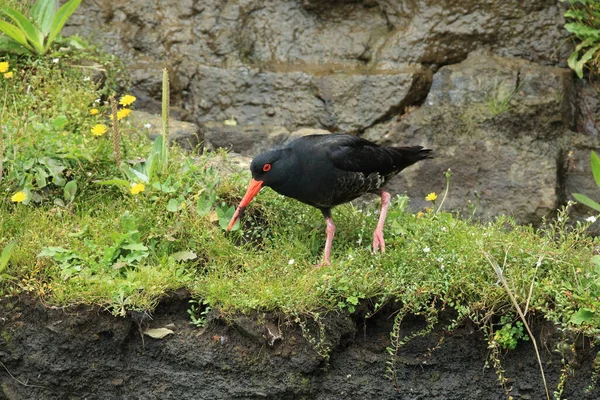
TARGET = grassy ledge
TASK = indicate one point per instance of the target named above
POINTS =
(78, 227)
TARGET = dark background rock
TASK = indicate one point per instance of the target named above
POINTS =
(484, 83)
(187, 135)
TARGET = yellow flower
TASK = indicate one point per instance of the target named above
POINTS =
(127, 100)
(8, 75)
(122, 113)
(137, 188)
(420, 214)
(3, 66)
(19, 197)
(94, 111)
(431, 196)
(99, 130)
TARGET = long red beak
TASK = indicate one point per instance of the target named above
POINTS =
(253, 188)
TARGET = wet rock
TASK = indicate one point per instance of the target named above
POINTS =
(500, 130)
(577, 176)
(186, 134)
(588, 107)
(228, 57)
(348, 101)
(251, 139)
(243, 139)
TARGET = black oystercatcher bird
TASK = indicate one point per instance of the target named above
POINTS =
(326, 170)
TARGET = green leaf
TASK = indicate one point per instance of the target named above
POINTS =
(6, 254)
(70, 190)
(134, 247)
(59, 122)
(583, 199)
(225, 216)
(154, 160)
(587, 56)
(595, 163)
(9, 45)
(43, 12)
(60, 19)
(173, 205)
(584, 315)
(116, 182)
(205, 203)
(184, 256)
(33, 34)
(15, 34)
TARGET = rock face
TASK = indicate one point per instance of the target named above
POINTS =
(484, 83)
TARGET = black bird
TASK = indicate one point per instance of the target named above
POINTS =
(326, 170)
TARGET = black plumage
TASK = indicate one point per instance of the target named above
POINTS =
(327, 170)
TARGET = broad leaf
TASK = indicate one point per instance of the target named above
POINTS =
(184, 256)
(42, 13)
(583, 199)
(587, 56)
(15, 34)
(8, 45)
(70, 190)
(173, 205)
(6, 254)
(60, 19)
(158, 333)
(33, 34)
(583, 315)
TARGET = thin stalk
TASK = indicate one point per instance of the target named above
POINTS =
(116, 134)
(165, 120)
(498, 271)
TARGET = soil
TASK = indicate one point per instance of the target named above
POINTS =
(86, 353)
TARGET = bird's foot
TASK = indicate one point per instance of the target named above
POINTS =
(378, 242)
(322, 264)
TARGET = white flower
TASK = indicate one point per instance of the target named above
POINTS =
(55, 60)
(86, 79)
(98, 101)
(443, 229)
(591, 219)
(426, 249)
(291, 262)
(442, 267)
(148, 125)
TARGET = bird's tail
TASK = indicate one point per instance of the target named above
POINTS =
(407, 156)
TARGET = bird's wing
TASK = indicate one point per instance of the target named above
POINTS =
(350, 153)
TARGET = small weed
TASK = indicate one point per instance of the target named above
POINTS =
(198, 318)
(510, 333)
(583, 22)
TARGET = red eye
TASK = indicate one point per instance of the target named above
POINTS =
(266, 167)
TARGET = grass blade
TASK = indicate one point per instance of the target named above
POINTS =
(595, 162)
(515, 304)
(583, 199)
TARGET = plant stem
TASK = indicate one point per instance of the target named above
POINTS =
(115, 128)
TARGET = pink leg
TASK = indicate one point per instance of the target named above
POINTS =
(378, 242)
(328, 241)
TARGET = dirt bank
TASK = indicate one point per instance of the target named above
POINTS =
(84, 353)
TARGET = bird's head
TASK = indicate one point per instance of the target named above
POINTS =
(268, 169)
